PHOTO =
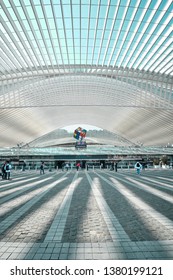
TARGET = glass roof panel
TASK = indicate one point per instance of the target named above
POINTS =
(121, 51)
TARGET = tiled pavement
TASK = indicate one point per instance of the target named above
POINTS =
(87, 215)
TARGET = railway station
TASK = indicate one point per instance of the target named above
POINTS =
(86, 131)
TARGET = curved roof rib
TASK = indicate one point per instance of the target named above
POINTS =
(97, 62)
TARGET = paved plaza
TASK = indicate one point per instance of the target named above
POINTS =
(94, 214)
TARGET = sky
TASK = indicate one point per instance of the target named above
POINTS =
(71, 128)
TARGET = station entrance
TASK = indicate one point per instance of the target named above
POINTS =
(54, 162)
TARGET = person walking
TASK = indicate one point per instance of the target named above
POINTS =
(116, 166)
(78, 166)
(3, 174)
(67, 166)
(7, 170)
(42, 168)
(24, 166)
(138, 167)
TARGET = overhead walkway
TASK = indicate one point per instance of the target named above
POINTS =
(95, 214)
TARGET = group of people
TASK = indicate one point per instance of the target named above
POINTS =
(138, 166)
(6, 170)
(66, 166)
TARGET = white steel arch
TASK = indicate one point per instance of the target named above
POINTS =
(99, 62)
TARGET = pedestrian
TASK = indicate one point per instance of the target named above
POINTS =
(78, 166)
(67, 166)
(7, 170)
(112, 166)
(42, 168)
(3, 174)
(24, 166)
(116, 166)
(138, 167)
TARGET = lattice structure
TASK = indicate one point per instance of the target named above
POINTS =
(104, 62)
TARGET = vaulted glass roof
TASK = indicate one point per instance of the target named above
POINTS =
(39, 34)
(107, 63)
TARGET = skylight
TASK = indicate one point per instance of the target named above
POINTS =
(123, 34)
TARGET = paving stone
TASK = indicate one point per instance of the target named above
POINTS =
(98, 222)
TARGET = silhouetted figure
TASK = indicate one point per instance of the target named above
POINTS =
(42, 168)
(77, 166)
(138, 167)
(7, 170)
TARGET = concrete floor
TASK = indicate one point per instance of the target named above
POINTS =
(88, 215)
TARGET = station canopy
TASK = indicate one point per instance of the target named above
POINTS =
(104, 63)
